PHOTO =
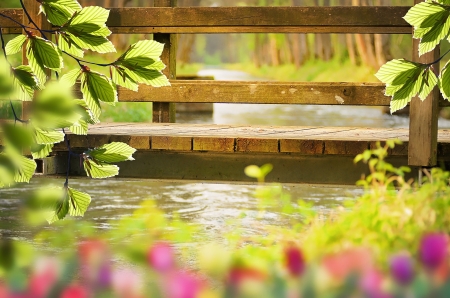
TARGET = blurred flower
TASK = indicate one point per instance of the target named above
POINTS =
(238, 275)
(126, 283)
(372, 285)
(95, 263)
(433, 250)
(356, 260)
(43, 278)
(402, 268)
(161, 257)
(75, 291)
(182, 285)
(92, 251)
(294, 260)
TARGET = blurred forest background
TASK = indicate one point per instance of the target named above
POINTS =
(274, 49)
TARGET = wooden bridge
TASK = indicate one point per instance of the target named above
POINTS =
(168, 150)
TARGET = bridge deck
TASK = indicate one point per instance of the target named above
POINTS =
(234, 138)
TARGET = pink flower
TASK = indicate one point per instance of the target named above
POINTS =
(402, 269)
(74, 291)
(294, 260)
(182, 285)
(371, 284)
(358, 260)
(43, 277)
(161, 257)
(433, 250)
(126, 283)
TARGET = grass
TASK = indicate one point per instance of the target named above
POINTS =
(313, 71)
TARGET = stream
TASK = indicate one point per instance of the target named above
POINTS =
(209, 205)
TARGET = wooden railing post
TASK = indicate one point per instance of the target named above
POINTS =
(163, 111)
(32, 7)
(423, 122)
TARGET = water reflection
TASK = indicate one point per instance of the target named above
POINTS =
(209, 204)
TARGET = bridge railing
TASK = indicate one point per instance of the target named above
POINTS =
(165, 20)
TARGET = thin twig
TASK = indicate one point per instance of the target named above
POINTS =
(31, 20)
(24, 26)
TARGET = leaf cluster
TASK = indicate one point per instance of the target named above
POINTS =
(406, 79)
(54, 109)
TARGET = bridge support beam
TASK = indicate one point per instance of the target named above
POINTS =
(229, 167)
(164, 112)
(423, 123)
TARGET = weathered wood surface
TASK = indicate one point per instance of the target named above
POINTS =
(423, 121)
(164, 112)
(249, 139)
(314, 93)
(223, 166)
(345, 19)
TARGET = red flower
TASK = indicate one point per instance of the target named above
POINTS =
(74, 291)
(295, 262)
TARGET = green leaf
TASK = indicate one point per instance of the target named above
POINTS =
(7, 171)
(59, 12)
(25, 167)
(113, 152)
(92, 42)
(47, 53)
(397, 71)
(36, 66)
(60, 209)
(46, 137)
(444, 82)
(149, 49)
(91, 101)
(434, 36)
(17, 137)
(119, 77)
(100, 87)
(71, 77)
(24, 82)
(15, 45)
(404, 95)
(55, 107)
(78, 202)
(422, 15)
(146, 76)
(80, 129)
(428, 84)
(41, 150)
(68, 46)
(95, 15)
(96, 170)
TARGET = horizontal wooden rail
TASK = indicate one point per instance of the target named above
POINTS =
(338, 19)
(313, 93)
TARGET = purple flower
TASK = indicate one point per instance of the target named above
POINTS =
(402, 268)
(433, 250)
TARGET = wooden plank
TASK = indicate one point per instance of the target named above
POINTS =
(262, 29)
(15, 14)
(423, 123)
(202, 166)
(262, 92)
(368, 19)
(219, 17)
(214, 144)
(310, 147)
(227, 138)
(165, 111)
(172, 143)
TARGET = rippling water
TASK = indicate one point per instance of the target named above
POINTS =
(208, 204)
